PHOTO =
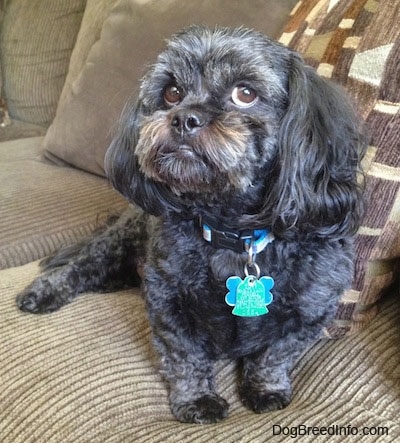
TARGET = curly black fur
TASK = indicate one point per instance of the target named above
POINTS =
(286, 159)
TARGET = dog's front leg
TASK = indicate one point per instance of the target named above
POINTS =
(266, 384)
(184, 362)
(189, 374)
(103, 262)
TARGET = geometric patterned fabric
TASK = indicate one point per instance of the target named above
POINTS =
(356, 43)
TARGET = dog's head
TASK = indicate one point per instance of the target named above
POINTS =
(228, 115)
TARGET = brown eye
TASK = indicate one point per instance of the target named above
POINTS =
(172, 95)
(243, 96)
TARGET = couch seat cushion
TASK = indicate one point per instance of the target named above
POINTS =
(87, 374)
(44, 206)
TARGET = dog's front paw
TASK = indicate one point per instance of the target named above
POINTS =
(34, 302)
(40, 297)
(204, 410)
(266, 401)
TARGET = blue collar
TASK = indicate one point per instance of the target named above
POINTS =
(239, 241)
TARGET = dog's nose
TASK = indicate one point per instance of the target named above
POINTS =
(186, 122)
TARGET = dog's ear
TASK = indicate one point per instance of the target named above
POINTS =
(320, 148)
(122, 168)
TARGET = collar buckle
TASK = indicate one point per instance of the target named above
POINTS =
(224, 238)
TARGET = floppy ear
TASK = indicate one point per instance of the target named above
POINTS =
(320, 148)
(123, 170)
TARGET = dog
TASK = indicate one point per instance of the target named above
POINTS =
(242, 166)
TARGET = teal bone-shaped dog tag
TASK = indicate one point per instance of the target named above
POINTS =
(250, 296)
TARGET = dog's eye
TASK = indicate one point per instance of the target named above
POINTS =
(243, 96)
(172, 95)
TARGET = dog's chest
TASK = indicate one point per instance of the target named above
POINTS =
(187, 286)
(193, 276)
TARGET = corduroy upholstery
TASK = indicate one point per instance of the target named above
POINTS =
(44, 206)
(35, 53)
(87, 374)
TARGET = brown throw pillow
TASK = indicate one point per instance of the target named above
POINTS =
(131, 37)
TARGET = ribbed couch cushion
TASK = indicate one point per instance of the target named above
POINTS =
(45, 206)
(86, 374)
(36, 41)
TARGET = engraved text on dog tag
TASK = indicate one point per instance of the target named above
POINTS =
(250, 296)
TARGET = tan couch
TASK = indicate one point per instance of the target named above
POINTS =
(87, 373)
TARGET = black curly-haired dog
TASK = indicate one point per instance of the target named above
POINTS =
(248, 160)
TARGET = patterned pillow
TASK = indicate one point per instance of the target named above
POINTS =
(356, 43)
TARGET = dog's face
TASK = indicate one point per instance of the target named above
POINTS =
(212, 106)
(229, 115)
